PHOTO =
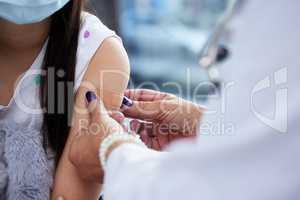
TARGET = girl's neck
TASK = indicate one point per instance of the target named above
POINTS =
(19, 38)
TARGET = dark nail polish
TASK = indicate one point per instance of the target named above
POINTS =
(90, 96)
(127, 102)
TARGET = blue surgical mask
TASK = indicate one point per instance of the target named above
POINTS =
(29, 11)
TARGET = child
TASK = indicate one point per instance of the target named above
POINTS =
(60, 52)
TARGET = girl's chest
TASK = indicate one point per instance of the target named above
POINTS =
(12, 69)
(8, 81)
(22, 108)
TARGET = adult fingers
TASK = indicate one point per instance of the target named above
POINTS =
(145, 95)
(118, 116)
(142, 126)
(142, 110)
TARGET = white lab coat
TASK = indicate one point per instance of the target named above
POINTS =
(247, 157)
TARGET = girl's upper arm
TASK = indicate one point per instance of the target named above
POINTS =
(108, 75)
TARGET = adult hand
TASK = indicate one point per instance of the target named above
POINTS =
(161, 118)
(85, 145)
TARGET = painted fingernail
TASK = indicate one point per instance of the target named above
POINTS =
(90, 96)
(127, 102)
(60, 198)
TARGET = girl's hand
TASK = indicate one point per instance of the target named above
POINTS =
(161, 118)
(85, 145)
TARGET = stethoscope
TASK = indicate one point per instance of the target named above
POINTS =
(213, 52)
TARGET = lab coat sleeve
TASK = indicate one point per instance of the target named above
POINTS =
(130, 173)
(212, 169)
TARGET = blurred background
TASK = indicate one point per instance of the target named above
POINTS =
(163, 39)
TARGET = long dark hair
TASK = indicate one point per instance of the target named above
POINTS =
(59, 63)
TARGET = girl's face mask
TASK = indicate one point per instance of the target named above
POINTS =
(29, 11)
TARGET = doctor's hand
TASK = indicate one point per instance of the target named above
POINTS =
(85, 145)
(161, 118)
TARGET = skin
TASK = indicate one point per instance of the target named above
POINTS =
(19, 46)
(161, 118)
(110, 56)
(166, 110)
